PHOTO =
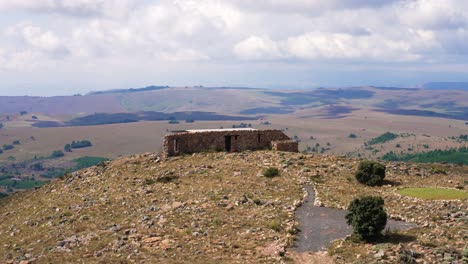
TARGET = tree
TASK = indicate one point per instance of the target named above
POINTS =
(57, 154)
(370, 173)
(367, 216)
(67, 148)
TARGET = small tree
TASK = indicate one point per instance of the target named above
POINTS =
(370, 173)
(67, 148)
(367, 216)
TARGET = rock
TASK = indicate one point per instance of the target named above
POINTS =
(380, 254)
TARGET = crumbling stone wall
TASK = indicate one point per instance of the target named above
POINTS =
(191, 142)
(285, 145)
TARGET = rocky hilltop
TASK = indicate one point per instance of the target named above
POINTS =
(218, 208)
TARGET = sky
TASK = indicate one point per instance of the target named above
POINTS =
(64, 47)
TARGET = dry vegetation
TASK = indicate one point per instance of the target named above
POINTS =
(203, 208)
(217, 207)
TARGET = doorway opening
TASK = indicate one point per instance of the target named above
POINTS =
(227, 143)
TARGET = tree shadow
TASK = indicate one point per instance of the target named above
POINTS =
(389, 182)
(395, 238)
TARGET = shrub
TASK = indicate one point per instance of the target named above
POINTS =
(275, 225)
(367, 216)
(67, 148)
(271, 172)
(16, 142)
(57, 154)
(81, 144)
(352, 135)
(8, 147)
(370, 173)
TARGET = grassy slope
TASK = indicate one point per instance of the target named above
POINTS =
(216, 209)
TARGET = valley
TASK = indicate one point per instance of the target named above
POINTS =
(324, 121)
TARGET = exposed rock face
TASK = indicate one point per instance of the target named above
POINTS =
(230, 140)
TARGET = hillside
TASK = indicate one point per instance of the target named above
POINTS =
(215, 208)
(157, 100)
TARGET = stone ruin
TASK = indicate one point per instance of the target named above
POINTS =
(229, 140)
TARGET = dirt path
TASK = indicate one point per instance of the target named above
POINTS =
(320, 225)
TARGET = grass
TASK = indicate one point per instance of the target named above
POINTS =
(434, 193)
(24, 184)
(195, 219)
(87, 161)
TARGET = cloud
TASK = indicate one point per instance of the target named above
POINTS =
(78, 8)
(229, 33)
(255, 47)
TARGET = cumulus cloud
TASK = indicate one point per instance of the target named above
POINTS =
(78, 8)
(255, 47)
(232, 32)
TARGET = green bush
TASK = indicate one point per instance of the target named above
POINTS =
(8, 147)
(370, 173)
(271, 172)
(367, 216)
(57, 154)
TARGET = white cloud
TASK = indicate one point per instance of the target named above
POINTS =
(79, 33)
(85, 8)
(255, 47)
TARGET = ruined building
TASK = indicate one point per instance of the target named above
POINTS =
(230, 140)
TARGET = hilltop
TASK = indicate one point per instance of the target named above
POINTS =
(217, 207)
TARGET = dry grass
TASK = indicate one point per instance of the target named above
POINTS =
(217, 209)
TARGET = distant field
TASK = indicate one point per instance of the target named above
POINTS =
(421, 134)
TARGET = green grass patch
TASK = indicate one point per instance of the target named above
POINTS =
(87, 161)
(434, 193)
(23, 184)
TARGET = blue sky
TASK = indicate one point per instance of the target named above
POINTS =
(58, 47)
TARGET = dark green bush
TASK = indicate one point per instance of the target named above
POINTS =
(367, 216)
(271, 172)
(370, 173)
(8, 147)
(57, 154)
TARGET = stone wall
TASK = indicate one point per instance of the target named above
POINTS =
(191, 142)
(285, 145)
